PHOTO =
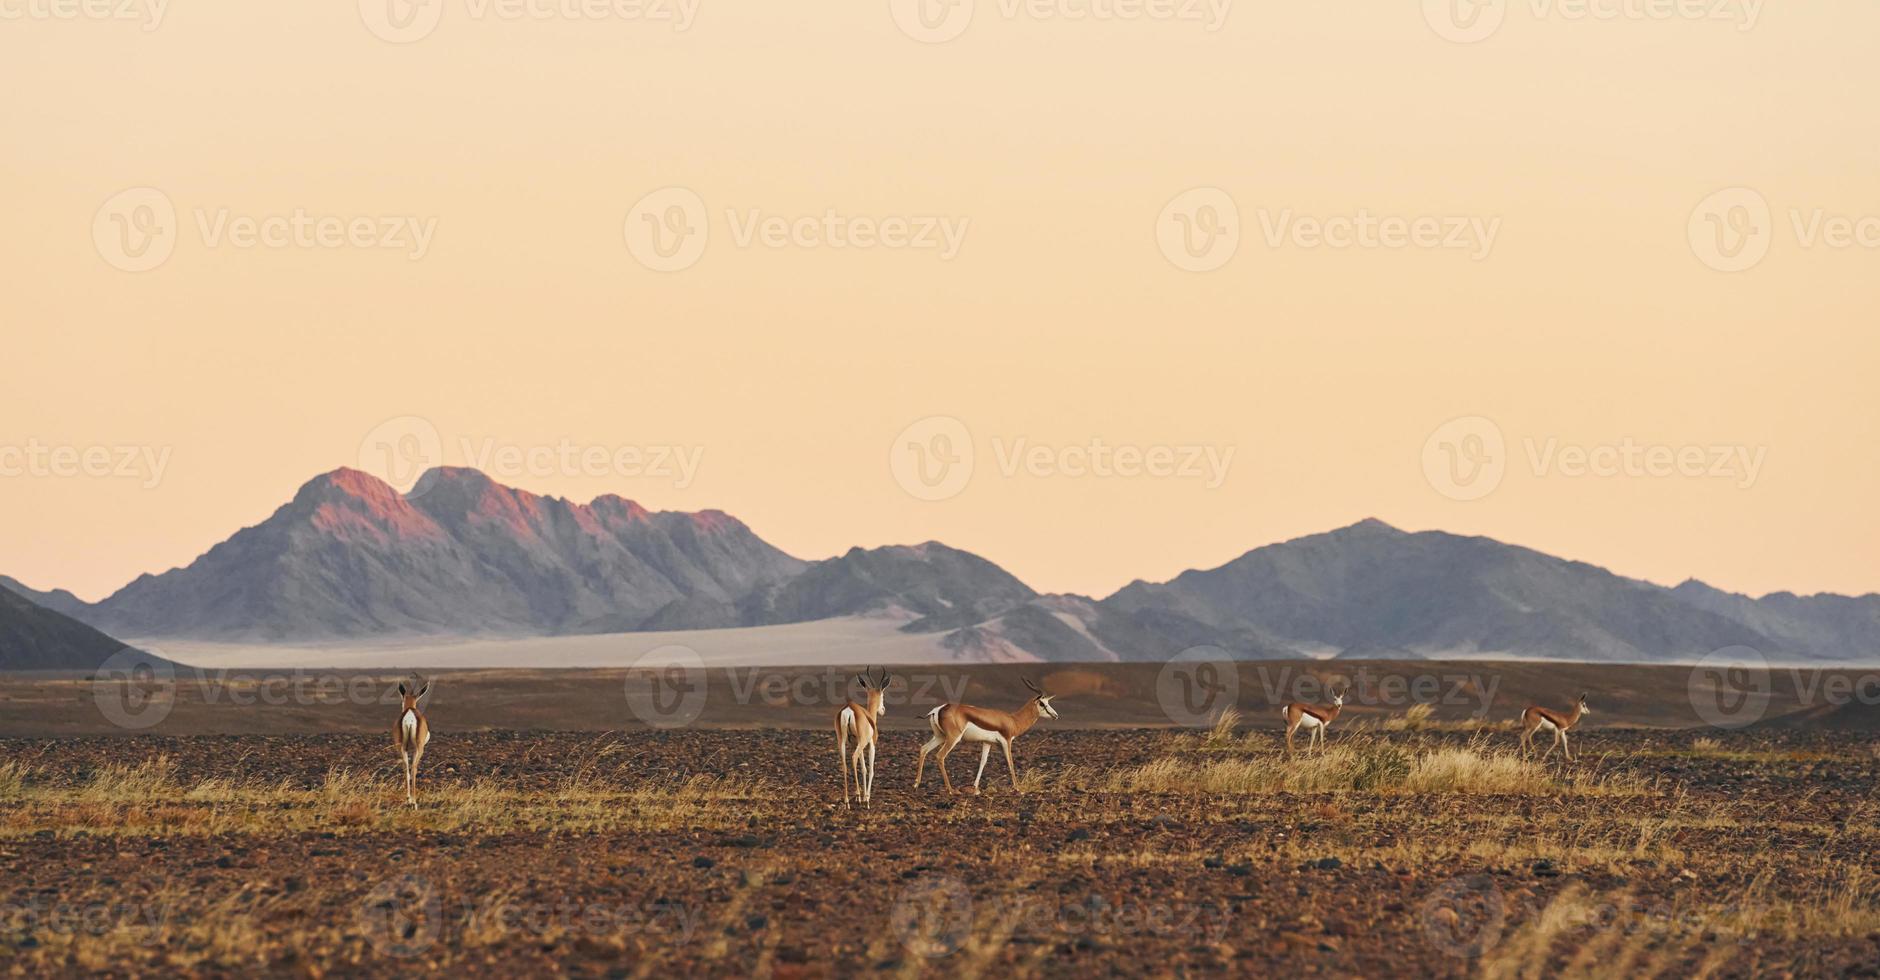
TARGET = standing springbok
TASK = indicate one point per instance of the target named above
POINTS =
(1537, 718)
(863, 721)
(956, 723)
(1314, 718)
(410, 735)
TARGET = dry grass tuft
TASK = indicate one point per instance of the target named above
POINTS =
(1358, 765)
(1222, 734)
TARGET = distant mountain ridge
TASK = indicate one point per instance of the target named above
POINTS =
(33, 637)
(460, 554)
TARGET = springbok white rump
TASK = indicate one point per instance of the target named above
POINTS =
(956, 723)
(411, 734)
(863, 723)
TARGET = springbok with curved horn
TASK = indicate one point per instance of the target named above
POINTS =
(863, 722)
(1314, 718)
(956, 723)
(411, 734)
(1537, 718)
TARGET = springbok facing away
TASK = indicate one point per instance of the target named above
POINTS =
(1314, 718)
(1537, 718)
(410, 735)
(863, 721)
(956, 723)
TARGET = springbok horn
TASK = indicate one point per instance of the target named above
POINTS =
(1034, 687)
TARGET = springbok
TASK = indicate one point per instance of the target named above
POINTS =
(863, 722)
(1314, 718)
(956, 723)
(1537, 718)
(410, 735)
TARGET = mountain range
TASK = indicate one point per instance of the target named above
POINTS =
(461, 555)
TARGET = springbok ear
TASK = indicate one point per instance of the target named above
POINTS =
(426, 689)
(401, 689)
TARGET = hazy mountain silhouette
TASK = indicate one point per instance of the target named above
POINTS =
(33, 637)
(461, 554)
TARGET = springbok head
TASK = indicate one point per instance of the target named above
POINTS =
(877, 688)
(411, 691)
(1042, 699)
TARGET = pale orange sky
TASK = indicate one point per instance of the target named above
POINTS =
(792, 371)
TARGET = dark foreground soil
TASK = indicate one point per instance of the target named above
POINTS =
(1742, 855)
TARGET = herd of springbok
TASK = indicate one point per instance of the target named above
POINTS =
(953, 723)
